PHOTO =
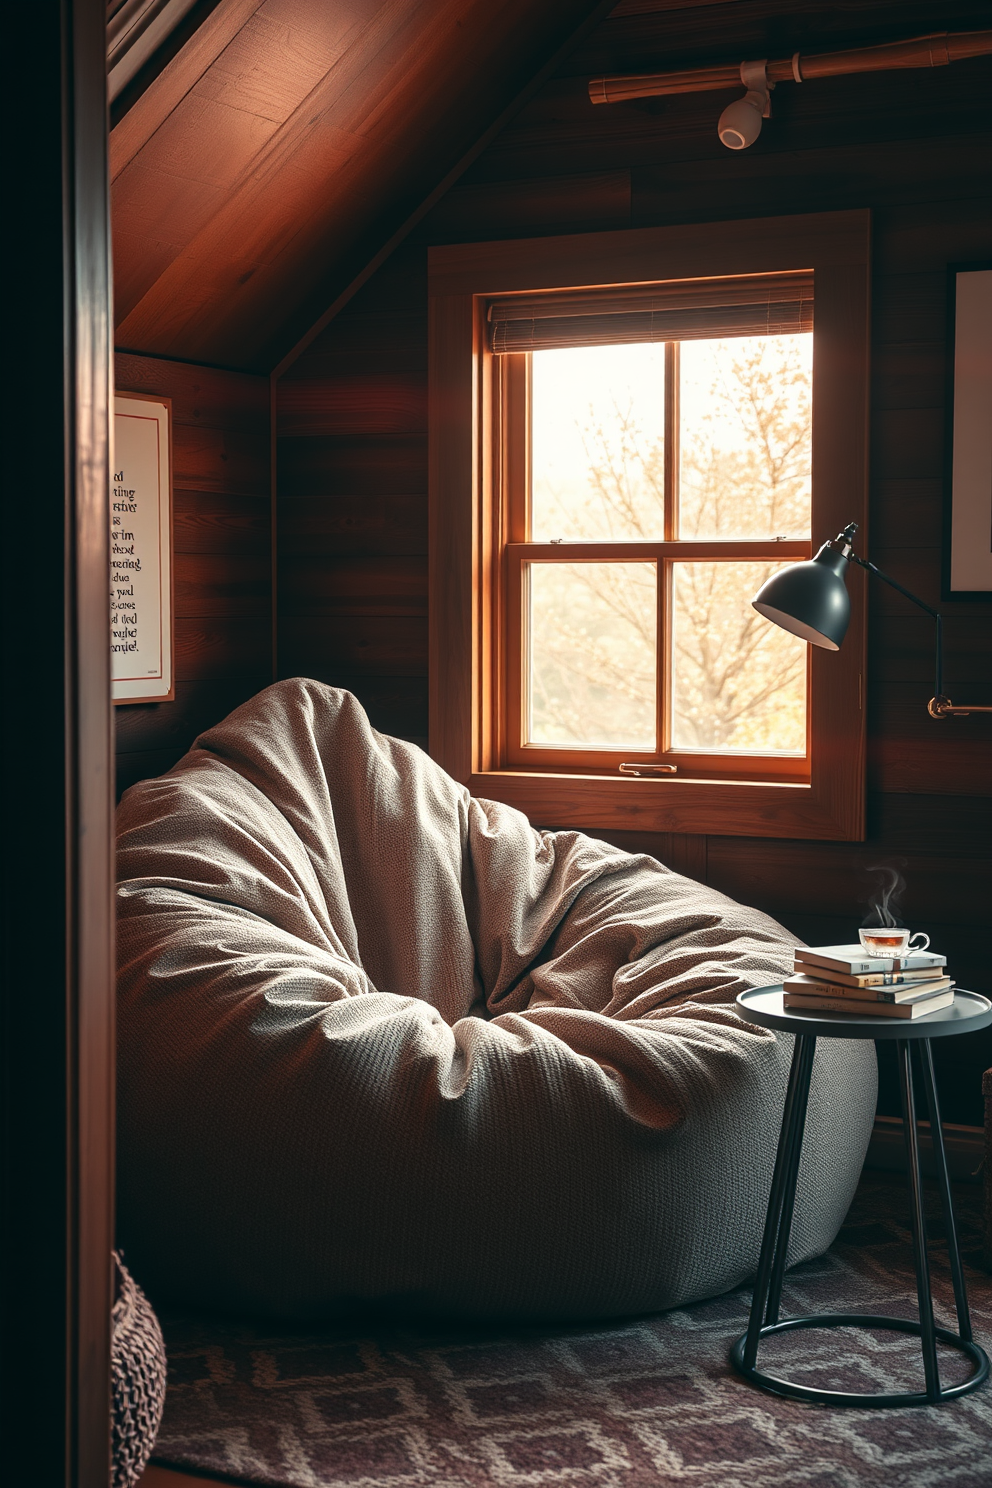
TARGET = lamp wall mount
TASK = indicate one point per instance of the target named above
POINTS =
(942, 707)
(937, 49)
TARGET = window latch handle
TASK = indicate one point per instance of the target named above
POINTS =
(629, 769)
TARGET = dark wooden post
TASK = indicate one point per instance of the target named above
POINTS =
(56, 1003)
(987, 1172)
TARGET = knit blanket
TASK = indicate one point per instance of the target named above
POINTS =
(381, 1041)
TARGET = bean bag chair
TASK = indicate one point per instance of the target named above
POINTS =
(381, 1041)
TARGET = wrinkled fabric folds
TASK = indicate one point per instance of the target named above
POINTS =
(381, 1040)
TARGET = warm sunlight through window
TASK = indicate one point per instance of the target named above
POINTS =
(695, 459)
(592, 654)
(737, 685)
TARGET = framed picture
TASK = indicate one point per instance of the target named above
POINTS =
(968, 546)
(141, 632)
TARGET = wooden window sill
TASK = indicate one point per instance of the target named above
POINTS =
(668, 804)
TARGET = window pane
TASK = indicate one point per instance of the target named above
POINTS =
(598, 443)
(738, 683)
(593, 629)
(746, 425)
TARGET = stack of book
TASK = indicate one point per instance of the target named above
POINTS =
(842, 979)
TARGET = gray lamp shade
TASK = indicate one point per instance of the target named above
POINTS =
(809, 599)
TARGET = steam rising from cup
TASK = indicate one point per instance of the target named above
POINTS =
(884, 905)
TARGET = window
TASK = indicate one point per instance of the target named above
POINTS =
(655, 483)
(643, 452)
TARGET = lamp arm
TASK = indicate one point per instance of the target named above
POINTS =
(938, 692)
(866, 563)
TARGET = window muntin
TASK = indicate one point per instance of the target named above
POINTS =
(694, 457)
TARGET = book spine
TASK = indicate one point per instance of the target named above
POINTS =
(858, 966)
(866, 979)
(892, 992)
(848, 1005)
(851, 968)
(918, 994)
(870, 979)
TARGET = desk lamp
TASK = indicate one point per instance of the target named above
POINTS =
(810, 600)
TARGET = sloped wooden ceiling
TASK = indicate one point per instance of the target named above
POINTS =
(277, 152)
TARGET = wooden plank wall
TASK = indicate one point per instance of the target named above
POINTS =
(352, 513)
(352, 504)
(223, 556)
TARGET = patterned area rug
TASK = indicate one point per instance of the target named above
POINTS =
(644, 1402)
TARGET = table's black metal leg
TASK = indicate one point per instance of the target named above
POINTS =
(944, 1184)
(764, 1323)
(927, 1336)
(791, 1179)
(791, 1136)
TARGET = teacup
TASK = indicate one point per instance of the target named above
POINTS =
(890, 941)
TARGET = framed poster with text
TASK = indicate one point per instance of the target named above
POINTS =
(141, 550)
(968, 573)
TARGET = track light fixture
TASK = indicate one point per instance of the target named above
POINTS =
(740, 122)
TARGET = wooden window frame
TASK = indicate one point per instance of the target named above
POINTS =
(468, 664)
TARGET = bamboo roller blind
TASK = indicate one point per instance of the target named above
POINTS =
(676, 310)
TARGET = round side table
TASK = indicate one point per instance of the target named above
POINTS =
(968, 1013)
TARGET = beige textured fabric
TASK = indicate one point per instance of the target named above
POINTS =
(382, 1040)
